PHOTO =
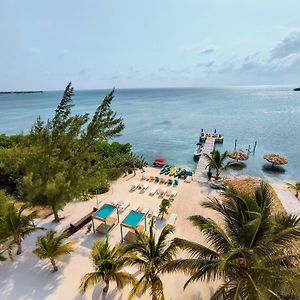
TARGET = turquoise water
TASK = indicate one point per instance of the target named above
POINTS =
(167, 122)
(104, 211)
(133, 218)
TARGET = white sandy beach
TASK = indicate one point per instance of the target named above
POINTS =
(29, 278)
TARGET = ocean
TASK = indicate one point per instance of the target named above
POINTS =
(167, 122)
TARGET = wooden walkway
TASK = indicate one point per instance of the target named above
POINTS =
(201, 171)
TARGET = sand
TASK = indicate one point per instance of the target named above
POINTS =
(29, 278)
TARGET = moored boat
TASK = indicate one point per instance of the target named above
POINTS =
(172, 171)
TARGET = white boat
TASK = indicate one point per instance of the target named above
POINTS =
(198, 151)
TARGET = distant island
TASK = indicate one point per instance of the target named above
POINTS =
(21, 92)
(297, 89)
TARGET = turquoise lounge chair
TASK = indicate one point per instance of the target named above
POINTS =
(176, 182)
(157, 179)
(170, 181)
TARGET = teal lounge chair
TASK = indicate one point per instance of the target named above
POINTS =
(176, 182)
(170, 181)
(157, 179)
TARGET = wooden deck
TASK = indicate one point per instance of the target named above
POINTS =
(201, 171)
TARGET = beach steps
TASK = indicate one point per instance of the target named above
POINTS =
(201, 171)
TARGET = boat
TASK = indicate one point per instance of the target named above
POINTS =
(173, 171)
(198, 151)
(182, 173)
(177, 172)
(164, 169)
(297, 89)
(167, 170)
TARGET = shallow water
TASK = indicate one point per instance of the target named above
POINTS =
(167, 122)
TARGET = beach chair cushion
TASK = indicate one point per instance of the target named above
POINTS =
(172, 219)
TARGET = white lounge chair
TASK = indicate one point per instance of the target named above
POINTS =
(146, 185)
(173, 194)
(153, 190)
(172, 219)
(124, 206)
(145, 210)
(163, 191)
(134, 186)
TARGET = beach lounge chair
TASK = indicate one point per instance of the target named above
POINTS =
(176, 182)
(168, 193)
(170, 181)
(157, 179)
(144, 177)
(141, 185)
(123, 206)
(140, 209)
(151, 178)
(163, 191)
(145, 210)
(173, 194)
(163, 180)
(172, 219)
(134, 186)
(159, 191)
(114, 202)
(146, 185)
(153, 191)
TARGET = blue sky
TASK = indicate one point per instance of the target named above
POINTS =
(137, 43)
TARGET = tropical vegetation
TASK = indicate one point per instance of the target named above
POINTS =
(108, 263)
(295, 187)
(67, 157)
(150, 255)
(217, 161)
(164, 207)
(51, 246)
(255, 254)
(15, 225)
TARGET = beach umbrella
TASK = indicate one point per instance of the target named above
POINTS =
(159, 159)
(276, 159)
(239, 155)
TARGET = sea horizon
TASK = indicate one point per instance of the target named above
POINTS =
(172, 118)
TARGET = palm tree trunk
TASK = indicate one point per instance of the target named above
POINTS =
(297, 194)
(56, 217)
(217, 174)
(53, 263)
(19, 249)
(105, 289)
(154, 297)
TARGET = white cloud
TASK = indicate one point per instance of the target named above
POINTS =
(289, 45)
(198, 48)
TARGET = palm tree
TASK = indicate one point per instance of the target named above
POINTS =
(254, 255)
(14, 226)
(51, 246)
(294, 187)
(163, 207)
(150, 255)
(217, 162)
(108, 263)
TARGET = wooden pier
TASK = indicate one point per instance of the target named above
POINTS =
(208, 147)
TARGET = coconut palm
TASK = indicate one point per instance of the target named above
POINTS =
(150, 255)
(294, 187)
(14, 226)
(163, 207)
(217, 162)
(51, 246)
(254, 254)
(108, 263)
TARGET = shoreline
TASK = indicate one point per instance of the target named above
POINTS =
(29, 278)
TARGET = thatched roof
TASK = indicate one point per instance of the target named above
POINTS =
(276, 159)
(240, 155)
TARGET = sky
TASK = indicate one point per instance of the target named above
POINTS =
(158, 43)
